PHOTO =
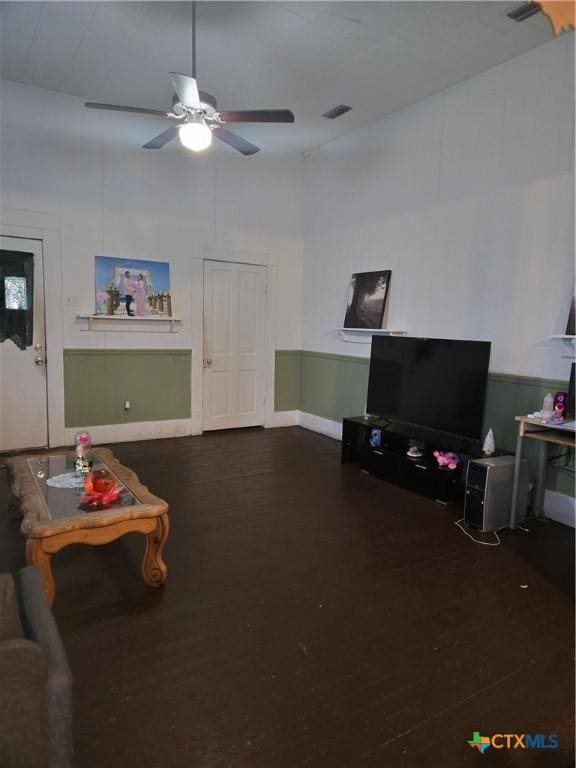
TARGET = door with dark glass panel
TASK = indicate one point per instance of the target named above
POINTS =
(23, 394)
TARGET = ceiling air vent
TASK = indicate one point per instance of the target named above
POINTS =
(335, 112)
(523, 12)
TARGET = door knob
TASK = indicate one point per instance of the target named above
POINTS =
(39, 361)
(207, 362)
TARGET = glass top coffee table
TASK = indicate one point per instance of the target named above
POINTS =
(54, 515)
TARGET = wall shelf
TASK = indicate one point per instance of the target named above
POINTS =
(120, 323)
(364, 335)
(571, 340)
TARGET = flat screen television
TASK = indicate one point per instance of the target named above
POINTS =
(434, 383)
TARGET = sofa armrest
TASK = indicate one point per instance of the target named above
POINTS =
(39, 625)
(24, 734)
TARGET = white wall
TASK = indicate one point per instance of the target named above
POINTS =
(112, 198)
(468, 198)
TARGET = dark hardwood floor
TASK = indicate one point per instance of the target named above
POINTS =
(314, 617)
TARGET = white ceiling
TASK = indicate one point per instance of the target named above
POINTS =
(378, 57)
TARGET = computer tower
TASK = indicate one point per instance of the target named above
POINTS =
(489, 492)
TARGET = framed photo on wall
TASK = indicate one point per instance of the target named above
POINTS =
(367, 299)
(132, 287)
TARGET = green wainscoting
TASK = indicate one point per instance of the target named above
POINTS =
(287, 380)
(331, 386)
(98, 381)
(334, 386)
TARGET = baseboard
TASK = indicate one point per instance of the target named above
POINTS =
(286, 418)
(139, 430)
(561, 508)
(326, 427)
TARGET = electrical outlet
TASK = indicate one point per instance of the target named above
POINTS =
(70, 300)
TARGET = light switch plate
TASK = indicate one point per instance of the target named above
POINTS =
(70, 300)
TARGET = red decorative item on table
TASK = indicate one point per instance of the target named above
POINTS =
(100, 490)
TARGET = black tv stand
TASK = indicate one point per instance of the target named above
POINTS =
(387, 457)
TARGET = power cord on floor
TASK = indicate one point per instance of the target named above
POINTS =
(486, 543)
(477, 541)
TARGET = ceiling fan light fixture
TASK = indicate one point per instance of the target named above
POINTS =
(195, 135)
(195, 116)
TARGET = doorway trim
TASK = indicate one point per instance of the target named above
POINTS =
(269, 261)
(35, 225)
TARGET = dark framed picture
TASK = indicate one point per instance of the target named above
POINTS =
(570, 329)
(367, 299)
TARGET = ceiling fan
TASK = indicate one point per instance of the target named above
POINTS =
(196, 116)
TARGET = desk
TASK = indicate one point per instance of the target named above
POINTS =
(545, 434)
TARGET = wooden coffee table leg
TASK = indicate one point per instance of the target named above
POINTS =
(154, 570)
(35, 555)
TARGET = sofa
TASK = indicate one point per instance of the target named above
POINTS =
(35, 678)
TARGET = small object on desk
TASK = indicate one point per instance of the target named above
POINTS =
(414, 452)
(547, 407)
(489, 445)
(560, 404)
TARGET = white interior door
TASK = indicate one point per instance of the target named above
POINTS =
(23, 400)
(234, 339)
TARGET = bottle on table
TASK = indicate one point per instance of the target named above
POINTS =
(548, 407)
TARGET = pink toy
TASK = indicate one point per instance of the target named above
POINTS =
(82, 443)
(449, 460)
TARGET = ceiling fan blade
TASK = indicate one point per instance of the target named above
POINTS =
(118, 108)
(258, 116)
(163, 138)
(186, 89)
(235, 141)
